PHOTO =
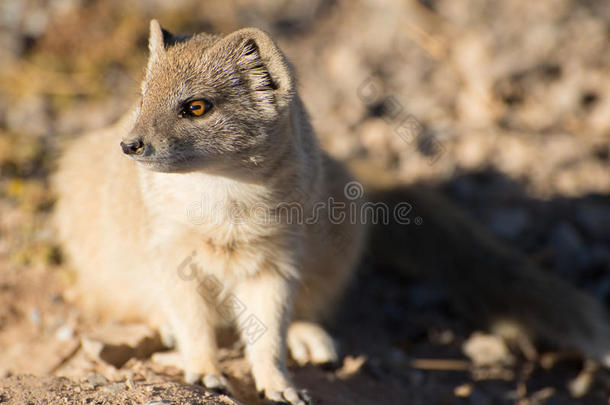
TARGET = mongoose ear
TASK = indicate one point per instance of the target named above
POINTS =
(158, 41)
(264, 66)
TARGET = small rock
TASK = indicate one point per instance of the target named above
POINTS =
(351, 366)
(542, 396)
(463, 391)
(581, 385)
(64, 333)
(97, 379)
(130, 384)
(163, 402)
(115, 387)
(487, 350)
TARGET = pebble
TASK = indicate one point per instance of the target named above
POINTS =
(487, 350)
(351, 365)
(97, 379)
(115, 387)
(64, 333)
(463, 391)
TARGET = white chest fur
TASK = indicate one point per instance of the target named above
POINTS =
(221, 219)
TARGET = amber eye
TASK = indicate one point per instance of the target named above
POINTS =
(196, 108)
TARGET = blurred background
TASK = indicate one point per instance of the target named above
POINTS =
(503, 106)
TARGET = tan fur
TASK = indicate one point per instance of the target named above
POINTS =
(138, 230)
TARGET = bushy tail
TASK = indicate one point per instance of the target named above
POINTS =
(488, 281)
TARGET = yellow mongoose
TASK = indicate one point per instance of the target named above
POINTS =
(202, 219)
(221, 155)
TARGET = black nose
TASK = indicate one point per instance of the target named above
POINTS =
(133, 147)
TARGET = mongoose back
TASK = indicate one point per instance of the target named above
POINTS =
(194, 211)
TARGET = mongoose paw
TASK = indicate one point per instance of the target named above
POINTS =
(309, 343)
(217, 382)
(289, 396)
(214, 382)
(167, 336)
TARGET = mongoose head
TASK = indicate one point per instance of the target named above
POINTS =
(210, 101)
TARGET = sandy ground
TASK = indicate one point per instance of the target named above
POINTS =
(505, 108)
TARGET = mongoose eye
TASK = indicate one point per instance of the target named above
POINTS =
(196, 108)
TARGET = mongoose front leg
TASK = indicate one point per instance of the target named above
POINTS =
(267, 299)
(192, 321)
